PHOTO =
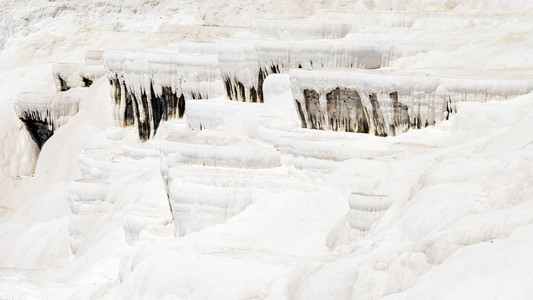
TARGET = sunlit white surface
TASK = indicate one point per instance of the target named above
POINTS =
(237, 201)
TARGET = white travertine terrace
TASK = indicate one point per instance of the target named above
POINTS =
(149, 87)
(388, 104)
(43, 113)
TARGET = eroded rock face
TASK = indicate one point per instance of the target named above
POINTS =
(312, 104)
(150, 87)
(140, 107)
(345, 111)
(148, 110)
(388, 104)
(70, 75)
(43, 113)
(401, 115)
(244, 64)
(377, 116)
(236, 91)
(87, 82)
(175, 104)
(301, 114)
(62, 84)
(39, 131)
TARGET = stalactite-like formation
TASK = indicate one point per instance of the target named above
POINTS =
(146, 110)
(244, 64)
(312, 104)
(152, 87)
(68, 75)
(385, 105)
(342, 105)
(377, 116)
(42, 114)
(39, 130)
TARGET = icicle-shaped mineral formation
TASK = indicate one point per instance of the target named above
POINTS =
(244, 64)
(385, 104)
(43, 113)
(67, 75)
(149, 87)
